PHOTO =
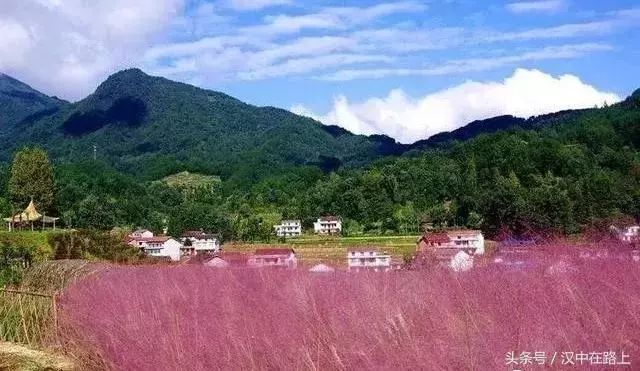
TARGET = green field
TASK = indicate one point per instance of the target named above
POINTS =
(333, 249)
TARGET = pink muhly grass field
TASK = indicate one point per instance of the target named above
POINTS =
(200, 318)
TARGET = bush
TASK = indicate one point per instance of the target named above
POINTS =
(92, 244)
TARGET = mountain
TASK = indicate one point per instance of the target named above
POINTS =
(153, 126)
(19, 101)
(495, 124)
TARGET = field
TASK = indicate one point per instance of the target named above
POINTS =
(199, 318)
(311, 250)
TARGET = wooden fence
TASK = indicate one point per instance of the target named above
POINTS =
(27, 317)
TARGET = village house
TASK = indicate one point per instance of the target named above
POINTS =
(228, 260)
(285, 258)
(199, 242)
(368, 259)
(141, 233)
(629, 234)
(321, 268)
(155, 246)
(327, 225)
(288, 228)
(445, 245)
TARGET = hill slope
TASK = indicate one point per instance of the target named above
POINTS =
(19, 101)
(153, 126)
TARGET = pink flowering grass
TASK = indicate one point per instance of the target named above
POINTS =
(199, 318)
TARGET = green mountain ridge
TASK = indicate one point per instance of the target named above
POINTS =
(19, 101)
(154, 126)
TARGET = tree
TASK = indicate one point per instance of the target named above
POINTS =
(32, 176)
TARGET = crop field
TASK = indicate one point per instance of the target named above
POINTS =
(199, 318)
(311, 250)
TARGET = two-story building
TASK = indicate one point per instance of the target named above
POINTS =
(368, 259)
(155, 246)
(283, 258)
(199, 242)
(445, 245)
(288, 228)
(328, 225)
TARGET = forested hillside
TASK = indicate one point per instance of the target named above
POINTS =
(153, 127)
(18, 101)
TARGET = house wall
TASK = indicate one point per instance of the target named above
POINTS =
(171, 248)
(357, 260)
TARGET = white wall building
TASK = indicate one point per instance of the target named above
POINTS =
(368, 259)
(156, 246)
(163, 247)
(198, 242)
(328, 225)
(628, 234)
(284, 258)
(141, 233)
(288, 228)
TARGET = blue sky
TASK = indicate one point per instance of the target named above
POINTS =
(407, 68)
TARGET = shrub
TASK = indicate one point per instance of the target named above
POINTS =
(92, 244)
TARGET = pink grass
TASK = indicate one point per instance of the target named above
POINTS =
(199, 318)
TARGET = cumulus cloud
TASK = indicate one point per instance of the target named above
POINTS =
(67, 47)
(525, 93)
(547, 6)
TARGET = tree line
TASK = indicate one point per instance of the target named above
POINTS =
(562, 178)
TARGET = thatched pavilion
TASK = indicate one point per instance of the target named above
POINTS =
(30, 216)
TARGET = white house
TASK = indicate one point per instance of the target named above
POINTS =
(156, 246)
(198, 242)
(284, 258)
(321, 268)
(448, 243)
(328, 225)
(368, 259)
(288, 228)
(141, 233)
(162, 247)
(627, 234)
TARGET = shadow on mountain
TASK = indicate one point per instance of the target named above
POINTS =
(127, 111)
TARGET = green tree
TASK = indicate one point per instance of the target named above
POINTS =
(32, 176)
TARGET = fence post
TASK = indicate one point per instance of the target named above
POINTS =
(54, 307)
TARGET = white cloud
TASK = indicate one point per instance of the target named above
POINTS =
(471, 64)
(547, 6)
(525, 93)
(67, 47)
(328, 18)
(15, 42)
(256, 4)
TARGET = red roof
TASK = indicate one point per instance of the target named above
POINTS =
(274, 251)
(233, 257)
(198, 235)
(438, 237)
(152, 239)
